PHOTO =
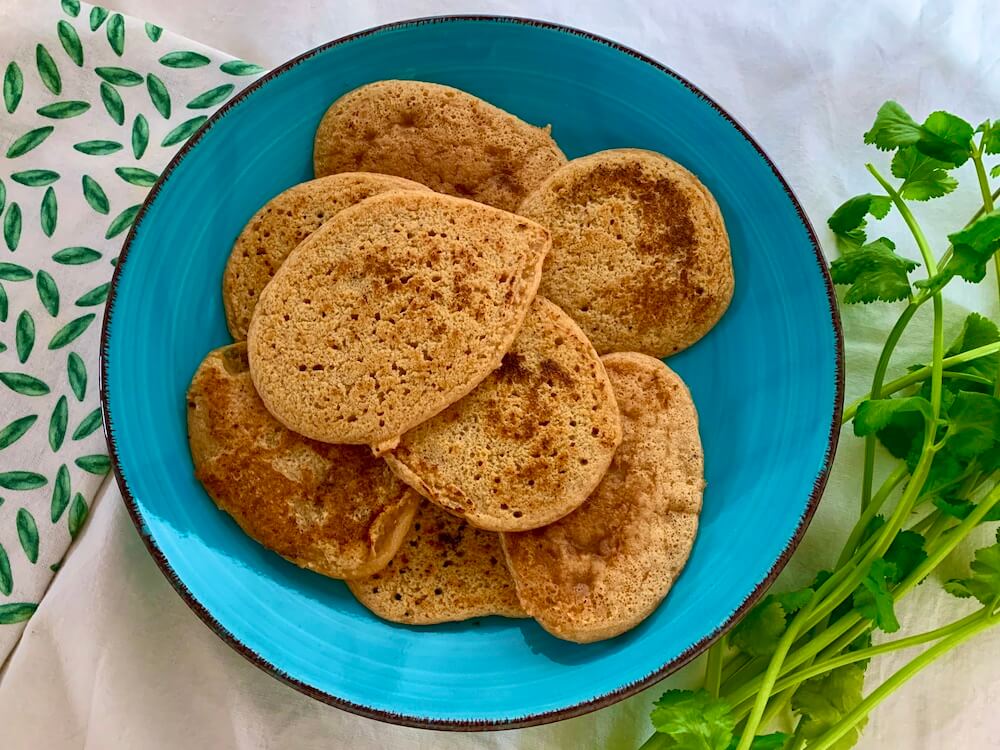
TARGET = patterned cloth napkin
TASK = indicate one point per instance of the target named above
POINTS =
(92, 112)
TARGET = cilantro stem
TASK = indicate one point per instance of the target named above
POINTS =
(884, 537)
(899, 644)
(713, 670)
(876, 392)
(984, 189)
(830, 738)
(923, 373)
(735, 665)
(892, 481)
(931, 264)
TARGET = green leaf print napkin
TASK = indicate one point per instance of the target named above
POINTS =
(94, 105)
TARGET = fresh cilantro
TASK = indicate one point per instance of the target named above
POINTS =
(973, 424)
(947, 138)
(877, 414)
(943, 136)
(973, 248)
(946, 469)
(874, 272)
(982, 235)
(774, 741)
(977, 331)
(960, 509)
(893, 128)
(758, 633)
(991, 137)
(923, 177)
(905, 554)
(694, 720)
(984, 583)
(823, 701)
(849, 221)
(873, 600)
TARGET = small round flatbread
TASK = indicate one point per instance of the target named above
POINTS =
(604, 568)
(439, 136)
(334, 509)
(280, 225)
(530, 443)
(445, 571)
(640, 256)
(390, 312)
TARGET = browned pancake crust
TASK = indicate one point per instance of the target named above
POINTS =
(640, 256)
(605, 567)
(439, 136)
(446, 570)
(334, 509)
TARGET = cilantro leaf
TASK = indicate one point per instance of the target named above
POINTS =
(893, 127)
(758, 633)
(991, 137)
(984, 583)
(947, 138)
(973, 247)
(848, 222)
(973, 423)
(774, 741)
(874, 272)
(954, 507)
(982, 235)
(905, 554)
(946, 469)
(694, 720)
(876, 414)
(995, 172)
(823, 701)
(977, 331)
(960, 509)
(873, 600)
(923, 177)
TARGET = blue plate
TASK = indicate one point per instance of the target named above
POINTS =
(767, 380)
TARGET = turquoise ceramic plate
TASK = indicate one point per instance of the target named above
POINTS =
(766, 380)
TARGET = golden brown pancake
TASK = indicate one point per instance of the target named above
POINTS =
(446, 570)
(604, 568)
(335, 509)
(640, 255)
(530, 443)
(390, 312)
(280, 225)
(439, 136)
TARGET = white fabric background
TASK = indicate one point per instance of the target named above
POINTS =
(114, 659)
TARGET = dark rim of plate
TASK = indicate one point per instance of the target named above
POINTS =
(533, 719)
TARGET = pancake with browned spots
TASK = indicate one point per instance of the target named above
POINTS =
(390, 312)
(335, 509)
(280, 225)
(605, 567)
(446, 570)
(530, 443)
(439, 136)
(640, 256)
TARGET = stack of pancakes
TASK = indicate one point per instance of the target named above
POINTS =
(447, 387)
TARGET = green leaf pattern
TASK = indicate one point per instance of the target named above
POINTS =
(94, 107)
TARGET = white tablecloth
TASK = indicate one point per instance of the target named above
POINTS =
(114, 659)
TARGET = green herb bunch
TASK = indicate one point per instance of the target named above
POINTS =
(939, 425)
